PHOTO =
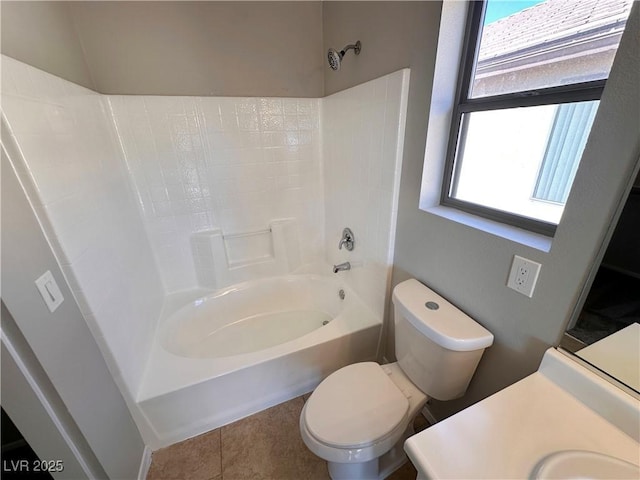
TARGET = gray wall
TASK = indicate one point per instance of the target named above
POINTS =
(172, 48)
(29, 407)
(42, 34)
(394, 35)
(61, 341)
(466, 265)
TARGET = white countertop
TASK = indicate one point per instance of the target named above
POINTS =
(507, 434)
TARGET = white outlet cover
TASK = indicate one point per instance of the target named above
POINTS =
(524, 275)
(49, 290)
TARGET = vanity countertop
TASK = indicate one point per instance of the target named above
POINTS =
(507, 434)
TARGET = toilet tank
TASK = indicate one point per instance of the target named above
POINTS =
(437, 346)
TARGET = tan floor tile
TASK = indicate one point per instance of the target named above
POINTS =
(265, 446)
(195, 459)
(268, 446)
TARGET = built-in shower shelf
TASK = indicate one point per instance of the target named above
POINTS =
(246, 234)
(253, 261)
(222, 259)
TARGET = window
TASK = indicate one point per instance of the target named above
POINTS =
(530, 81)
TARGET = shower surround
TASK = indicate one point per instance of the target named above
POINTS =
(234, 164)
(147, 199)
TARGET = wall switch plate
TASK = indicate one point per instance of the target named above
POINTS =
(49, 290)
(523, 275)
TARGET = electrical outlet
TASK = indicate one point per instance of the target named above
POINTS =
(523, 275)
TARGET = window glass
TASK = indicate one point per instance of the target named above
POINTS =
(528, 94)
(522, 160)
(526, 45)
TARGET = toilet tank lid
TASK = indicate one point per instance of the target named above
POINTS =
(445, 324)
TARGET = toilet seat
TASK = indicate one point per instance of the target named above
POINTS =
(356, 407)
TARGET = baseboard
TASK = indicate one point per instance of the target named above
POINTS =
(145, 463)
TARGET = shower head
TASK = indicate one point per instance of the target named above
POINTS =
(335, 58)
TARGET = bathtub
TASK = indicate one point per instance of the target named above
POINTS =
(222, 356)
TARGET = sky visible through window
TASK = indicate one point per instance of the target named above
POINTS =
(500, 9)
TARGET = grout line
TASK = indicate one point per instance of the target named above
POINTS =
(221, 465)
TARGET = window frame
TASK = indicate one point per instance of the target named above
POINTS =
(577, 92)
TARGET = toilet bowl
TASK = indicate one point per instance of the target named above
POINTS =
(358, 418)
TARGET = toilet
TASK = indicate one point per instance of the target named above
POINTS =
(358, 418)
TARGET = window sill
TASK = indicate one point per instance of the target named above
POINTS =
(508, 232)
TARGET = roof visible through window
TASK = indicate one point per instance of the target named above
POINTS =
(546, 44)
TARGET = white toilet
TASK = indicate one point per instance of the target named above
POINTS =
(358, 418)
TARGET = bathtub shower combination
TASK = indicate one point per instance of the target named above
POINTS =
(257, 344)
(198, 235)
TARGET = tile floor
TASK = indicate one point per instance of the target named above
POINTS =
(264, 446)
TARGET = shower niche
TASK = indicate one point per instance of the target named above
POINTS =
(224, 258)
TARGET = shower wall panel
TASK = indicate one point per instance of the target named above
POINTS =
(235, 164)
(363, 137)
(72, 169)
(194, 164)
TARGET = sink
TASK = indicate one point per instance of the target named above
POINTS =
(546, 426)
(584, 465)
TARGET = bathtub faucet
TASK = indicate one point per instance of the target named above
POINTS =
(341, 266)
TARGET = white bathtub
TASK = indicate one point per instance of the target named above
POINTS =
(220, 357)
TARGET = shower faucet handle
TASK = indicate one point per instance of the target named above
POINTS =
(348, 239)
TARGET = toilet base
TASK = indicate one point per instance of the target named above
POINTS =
(349, 471)
(376, 469)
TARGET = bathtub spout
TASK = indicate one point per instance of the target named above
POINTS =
(341, 266)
